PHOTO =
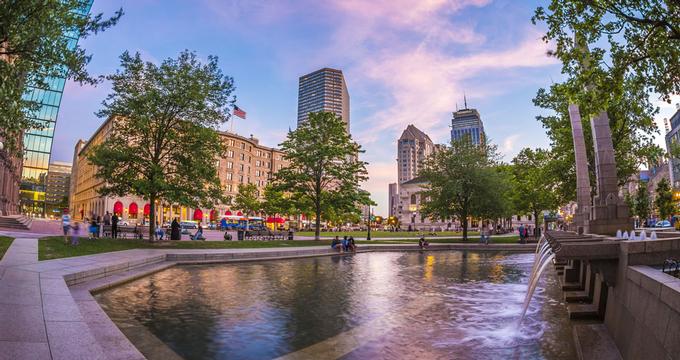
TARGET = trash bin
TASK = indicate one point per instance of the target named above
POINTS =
(290, 235)
(241, 235)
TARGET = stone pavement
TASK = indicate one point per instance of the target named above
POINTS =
(47, 310)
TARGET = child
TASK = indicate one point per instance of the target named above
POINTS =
(75, 230)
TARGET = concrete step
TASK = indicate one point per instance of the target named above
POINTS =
(576, 296)
(582, 311)
(594, 342)
(572, 286)
(16, 222)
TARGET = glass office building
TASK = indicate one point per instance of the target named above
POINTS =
(38, 142)
(467, 123)
(323, 90)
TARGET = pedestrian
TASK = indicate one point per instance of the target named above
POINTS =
(352, 244)
(66, 224)
(99, 225)
(75, 231)
(175, 230)
(114, 226)
(92, 230)
(521, 233)
(345, 243)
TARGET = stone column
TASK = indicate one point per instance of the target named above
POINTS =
(582, 177)
(605, 163)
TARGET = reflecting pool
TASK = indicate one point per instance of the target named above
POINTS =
(387, 305)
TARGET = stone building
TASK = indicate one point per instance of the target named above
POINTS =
(246, 161)
(10, 179)
(413, 147)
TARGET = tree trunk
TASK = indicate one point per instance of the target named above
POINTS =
(317, 221)
(464, 223)
(152, 217)
(536, 222)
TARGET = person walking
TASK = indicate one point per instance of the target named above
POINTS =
(521, 233)
(175, 230)
(114, 226)
(66, 224)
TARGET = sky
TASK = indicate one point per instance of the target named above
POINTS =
(404, 62)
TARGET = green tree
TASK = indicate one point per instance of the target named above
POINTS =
(533, 183)
(641, 203)
(324, 170)
(664, 199)
(276, 201)
(461, 181)
(641, 38)
(34, 49)
(248, 199)
(162, 144)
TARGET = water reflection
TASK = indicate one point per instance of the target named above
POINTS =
(379, 305)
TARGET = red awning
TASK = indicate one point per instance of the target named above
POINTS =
(118, 208)
(239, 214)
(228, 213)
(134, 209)
(213, 215)
(276, 220)
(198, 214)
(147, 209)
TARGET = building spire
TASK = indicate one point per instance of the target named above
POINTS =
(465, 99)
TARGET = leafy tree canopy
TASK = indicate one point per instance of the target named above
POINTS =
(34, 49)
(664, 199)
(162, 143)
(534, 183)
(632, 37)
(462, 181)
(247, 199)
(324, 170)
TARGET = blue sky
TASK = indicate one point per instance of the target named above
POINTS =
(405, 62)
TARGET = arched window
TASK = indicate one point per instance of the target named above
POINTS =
(198, 215)
(118, 208)
(413, 199)
(134, 209)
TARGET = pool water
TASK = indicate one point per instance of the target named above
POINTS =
(387, 305)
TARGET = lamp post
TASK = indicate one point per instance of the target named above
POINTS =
(368, 237)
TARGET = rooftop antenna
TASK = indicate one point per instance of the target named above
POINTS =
(456, 106)
(465, 100)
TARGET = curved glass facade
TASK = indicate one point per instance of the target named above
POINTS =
(38, 142)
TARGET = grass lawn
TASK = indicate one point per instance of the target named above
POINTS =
(53, 247)
(385, 234)
(5, 242)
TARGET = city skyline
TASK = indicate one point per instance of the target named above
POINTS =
(403, 64)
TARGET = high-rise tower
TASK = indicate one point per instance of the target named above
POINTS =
(413, 147)
(323, 90)
(38, 142)
(467, 123)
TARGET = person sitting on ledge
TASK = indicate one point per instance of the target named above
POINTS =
(352, 246)
(336, 244)
(423, 243)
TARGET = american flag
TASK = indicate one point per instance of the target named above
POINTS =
(238, 112)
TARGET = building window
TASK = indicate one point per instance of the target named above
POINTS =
(230, 165)
(240, 167)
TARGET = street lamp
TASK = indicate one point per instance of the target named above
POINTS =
(368, 237)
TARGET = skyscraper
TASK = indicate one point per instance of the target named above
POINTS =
(57, 187)
(323, 90)
(467, 123)
(413, 147)
(38, 142)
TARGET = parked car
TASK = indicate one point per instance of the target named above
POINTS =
(663, 224)
(123, 223)
(188, 225)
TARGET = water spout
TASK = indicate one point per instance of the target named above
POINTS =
(618, 234)
(625, 235)
(533, 283)
(643, 235)
(653, 236)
